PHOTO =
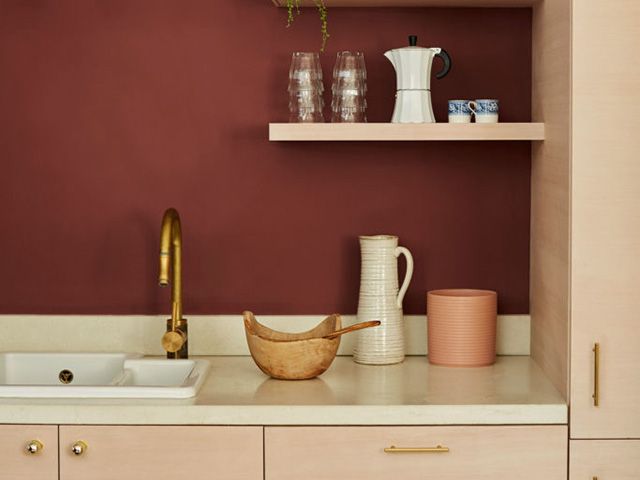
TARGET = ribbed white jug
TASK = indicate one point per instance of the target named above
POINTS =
(381, 299)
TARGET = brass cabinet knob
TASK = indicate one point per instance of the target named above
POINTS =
(173, 341)
(79, 447)
(34, 447)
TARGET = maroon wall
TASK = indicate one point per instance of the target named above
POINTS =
(113, 110)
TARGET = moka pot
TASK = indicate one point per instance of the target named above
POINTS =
(413, 78)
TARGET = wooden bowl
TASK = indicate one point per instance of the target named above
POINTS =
(292, 356)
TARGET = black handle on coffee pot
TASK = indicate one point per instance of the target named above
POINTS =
(447, 63)
(413, 41)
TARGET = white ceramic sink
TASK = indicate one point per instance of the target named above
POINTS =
(98, 375)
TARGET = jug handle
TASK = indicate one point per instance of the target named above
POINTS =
(447, 63)
(407, 276)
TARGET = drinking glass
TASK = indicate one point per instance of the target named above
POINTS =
(305, 88)
(349, 88)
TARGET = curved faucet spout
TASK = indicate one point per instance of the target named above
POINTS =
(171, 261)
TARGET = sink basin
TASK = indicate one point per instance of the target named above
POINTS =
(98, 375)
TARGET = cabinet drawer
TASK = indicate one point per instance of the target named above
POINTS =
(161, 453)
(604, 459)
(525, 453)
(17, 464)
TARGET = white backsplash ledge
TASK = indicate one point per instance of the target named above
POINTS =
(208, 334)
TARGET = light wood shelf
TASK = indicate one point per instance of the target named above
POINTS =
(337, 132)
(415, 3)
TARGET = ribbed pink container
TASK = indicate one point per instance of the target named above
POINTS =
(461, 327)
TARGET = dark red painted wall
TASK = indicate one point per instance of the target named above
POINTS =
(112, 110)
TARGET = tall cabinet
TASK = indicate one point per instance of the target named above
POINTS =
(605, 303)
(605, 306)
(585, 255)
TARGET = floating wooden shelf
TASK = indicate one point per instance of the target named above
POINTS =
(415, 3)
(328, 132)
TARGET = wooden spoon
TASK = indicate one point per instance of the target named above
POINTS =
(352, 328)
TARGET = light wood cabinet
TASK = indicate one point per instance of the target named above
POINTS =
(459, 453)
(605, 459)
(16, 463)
(605, 220)
(161, 453)
(205, 452)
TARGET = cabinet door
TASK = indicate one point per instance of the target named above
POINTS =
(605, 220)
(604, 460)
(160, 453)
(446, 453)
(16, 463)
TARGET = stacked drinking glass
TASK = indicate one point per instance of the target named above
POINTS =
(349, 88)
(305, 88)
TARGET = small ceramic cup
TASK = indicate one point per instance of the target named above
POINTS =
(459, 111)
(485, 110)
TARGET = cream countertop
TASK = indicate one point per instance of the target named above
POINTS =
(513, 391)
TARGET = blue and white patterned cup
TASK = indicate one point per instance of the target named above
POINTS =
(485, 110)
(459, 111)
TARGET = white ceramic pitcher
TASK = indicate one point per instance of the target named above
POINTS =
(380, 299)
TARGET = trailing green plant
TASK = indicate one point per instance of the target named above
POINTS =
(293, 9)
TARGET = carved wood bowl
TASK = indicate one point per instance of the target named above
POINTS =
(292, 356)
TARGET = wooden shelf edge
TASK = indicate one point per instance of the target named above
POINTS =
(416, 3)
(372, 132)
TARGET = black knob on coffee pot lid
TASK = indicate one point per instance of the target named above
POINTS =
(413, 40)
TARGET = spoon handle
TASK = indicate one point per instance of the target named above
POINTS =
(352, 328)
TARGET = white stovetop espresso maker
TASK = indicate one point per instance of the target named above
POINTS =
(413, 77)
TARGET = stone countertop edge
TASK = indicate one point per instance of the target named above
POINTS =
(514, 391)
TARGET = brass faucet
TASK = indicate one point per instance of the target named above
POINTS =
(174, 340)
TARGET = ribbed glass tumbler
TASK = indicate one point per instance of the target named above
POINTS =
(349, 88)
(306, 102)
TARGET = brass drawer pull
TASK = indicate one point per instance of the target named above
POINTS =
(437, 449)
(79, 448)
(34, 447)
(596, 375)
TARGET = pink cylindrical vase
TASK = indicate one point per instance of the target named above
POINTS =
(461, 326)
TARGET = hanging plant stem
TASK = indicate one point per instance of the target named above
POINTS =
(293, 6)
(322, 10)
(293, 9)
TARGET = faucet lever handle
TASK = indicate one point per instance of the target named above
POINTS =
(174, 340)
